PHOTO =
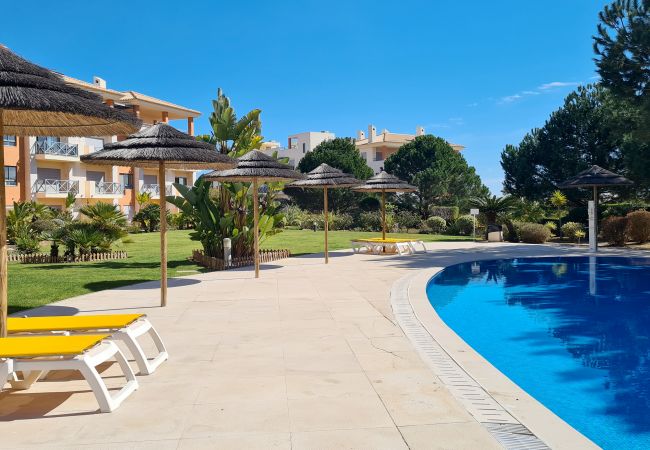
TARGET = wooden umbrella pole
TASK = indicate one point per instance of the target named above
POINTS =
(326, 223)
(3, 236)
(256, 238)
(163, 233)
(383, 215)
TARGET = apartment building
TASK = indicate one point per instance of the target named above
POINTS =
(298, 145)
(48, 169)
(375, 148)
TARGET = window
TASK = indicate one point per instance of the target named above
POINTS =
(48, 139)
(364, 155)
(126, 179)
(181, 180)
(10, 140)
(304, 147)
(379, 156)
(11, 176)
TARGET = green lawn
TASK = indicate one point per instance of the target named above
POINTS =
(32, 285)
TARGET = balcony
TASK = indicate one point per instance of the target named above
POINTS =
(55, 150)
(55, 188)
(154, 190)
(109, 189)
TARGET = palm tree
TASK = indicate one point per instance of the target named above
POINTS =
(107, 220)
(492, 206)
(233, 136)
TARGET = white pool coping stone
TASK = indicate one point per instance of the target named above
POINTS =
(513, 417)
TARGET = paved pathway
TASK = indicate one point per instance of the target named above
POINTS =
(307, 357)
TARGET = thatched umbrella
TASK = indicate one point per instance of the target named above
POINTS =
(36, 102)
(595, 177)
(326, 177)
(163, 147)
(384, 182)
(256, 167)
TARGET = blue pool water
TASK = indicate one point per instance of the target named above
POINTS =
(572, 332)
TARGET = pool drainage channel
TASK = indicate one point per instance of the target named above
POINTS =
(507, 430)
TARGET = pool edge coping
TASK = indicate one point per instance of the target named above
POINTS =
(529, 412)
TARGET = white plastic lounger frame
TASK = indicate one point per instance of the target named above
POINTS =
(86, 363)
(129, 336)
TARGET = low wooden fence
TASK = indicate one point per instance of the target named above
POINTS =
(218, 264)
(44, 258)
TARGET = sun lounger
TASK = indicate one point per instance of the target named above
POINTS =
(32, 355)
(122, 327)
(392, 245)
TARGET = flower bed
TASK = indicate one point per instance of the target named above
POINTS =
(218, 263)
(44, 258)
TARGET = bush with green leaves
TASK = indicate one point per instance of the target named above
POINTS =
(552, 226)
(436, 224)
(614, 230)
(407, 220)
(449, 213)
(638, 226)
(465, 225)
(26, 243)
(534, 233)
(570, 230)
(623, 208)
(369, 221)
(340, 221)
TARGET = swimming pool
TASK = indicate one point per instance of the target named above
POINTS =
(574, 332)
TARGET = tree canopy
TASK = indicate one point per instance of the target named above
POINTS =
(441, 174)
(592, 127)
(342, 154)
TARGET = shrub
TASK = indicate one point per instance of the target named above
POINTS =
(552, 226)
(614, 230)
(570, 229)
(623, 208)
(511, 231)
(370, 221)
(340, 221)
(464, 225)
(436, 224)
(449, 213)
(293, 215)
(534, 233)
(27, 243)
(408, 220)
(638, 226)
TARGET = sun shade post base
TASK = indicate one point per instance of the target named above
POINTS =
(326, 224)
(256, 233)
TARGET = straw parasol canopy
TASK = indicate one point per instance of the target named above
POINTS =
(36, 101)
(256, 167)
(384, 182)
(161, 146)
(326, 177)
(595, 177)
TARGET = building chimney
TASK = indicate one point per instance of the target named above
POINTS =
(419, 131)
(372, 133)
(99, 82)
(360, 135)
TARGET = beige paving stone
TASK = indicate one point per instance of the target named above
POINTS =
(342, 412)
(449, 436)
(268, 415)
(368, 438)
(237, 441)
(308, 386)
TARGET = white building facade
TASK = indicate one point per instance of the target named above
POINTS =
(298, 145)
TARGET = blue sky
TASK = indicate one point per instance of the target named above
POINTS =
(477, 73)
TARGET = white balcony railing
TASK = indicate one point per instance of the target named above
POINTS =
(48, 186)
(154, 189)
(55, 148)
(108, 188)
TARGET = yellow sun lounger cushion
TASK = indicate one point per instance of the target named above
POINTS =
(36, 346)
(70, 323)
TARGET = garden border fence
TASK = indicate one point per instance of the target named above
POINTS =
(210, 262)
(44, 258)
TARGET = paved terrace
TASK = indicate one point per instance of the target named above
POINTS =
(308, 356)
